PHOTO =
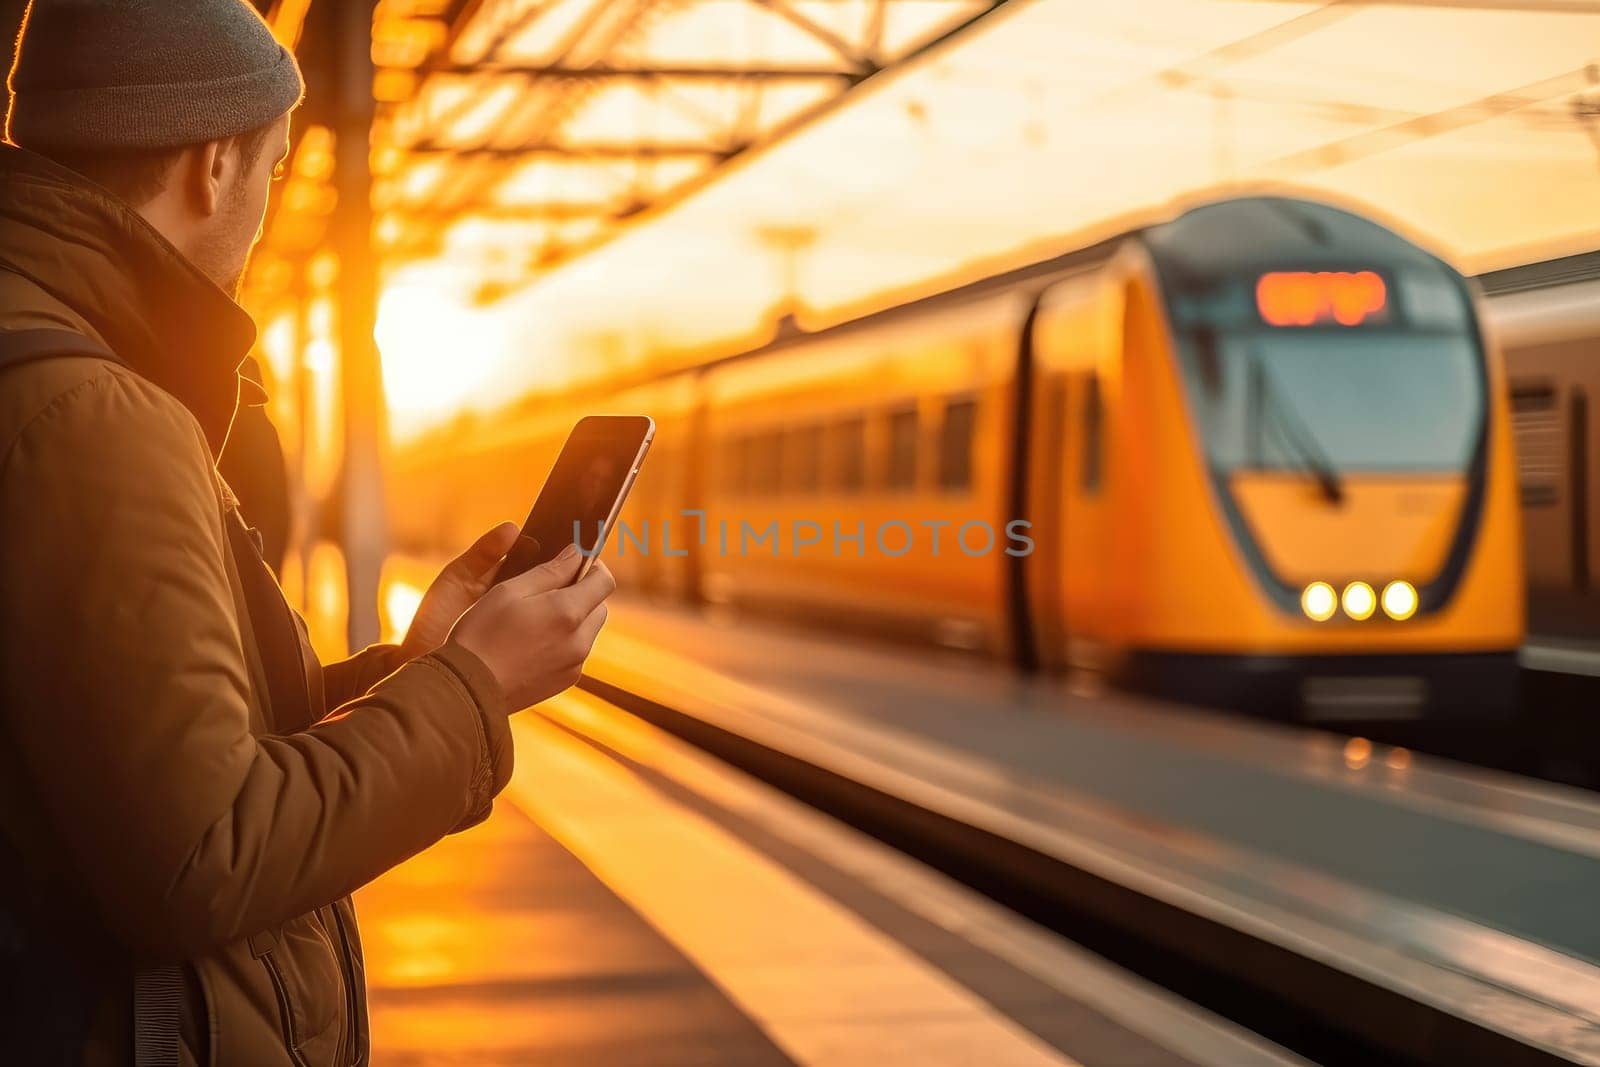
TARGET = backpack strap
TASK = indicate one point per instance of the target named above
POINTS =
(276, 633)
(157, 991)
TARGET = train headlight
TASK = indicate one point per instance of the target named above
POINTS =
(1319, 601)
(1399, 600)
(1359, 601)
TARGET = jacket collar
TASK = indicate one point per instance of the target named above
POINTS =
(153, 307)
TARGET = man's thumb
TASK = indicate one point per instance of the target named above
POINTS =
(485, 553)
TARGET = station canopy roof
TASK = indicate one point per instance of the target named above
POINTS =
(579, 186)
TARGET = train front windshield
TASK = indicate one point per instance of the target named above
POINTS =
(1400, 388)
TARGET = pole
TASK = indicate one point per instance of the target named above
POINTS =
(305, 406)
(363, 519)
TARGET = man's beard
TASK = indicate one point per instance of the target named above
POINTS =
(228, 276)
(235, 285)
(223, 261)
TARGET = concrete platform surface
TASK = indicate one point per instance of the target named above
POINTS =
(632, 901)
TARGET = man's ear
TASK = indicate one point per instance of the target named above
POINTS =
(205, 176)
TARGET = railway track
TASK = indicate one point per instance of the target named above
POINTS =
(1323, 966)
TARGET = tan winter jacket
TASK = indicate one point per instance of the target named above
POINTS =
(156, 803)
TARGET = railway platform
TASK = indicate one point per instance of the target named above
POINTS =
(634, 901)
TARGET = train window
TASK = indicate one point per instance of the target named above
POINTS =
(737, 462)
(802, 458)
(1093, 423)
(901, 470)
(764, 463)
(1536, 426)
(1326, 401)
(1433, 300)
(955, 443)
(847, 454)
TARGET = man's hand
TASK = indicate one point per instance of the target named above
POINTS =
(534, 631)
(459, 586)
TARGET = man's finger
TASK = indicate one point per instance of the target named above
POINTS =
(589, 629)
(547, 576)
(479, 561)
(590, 593)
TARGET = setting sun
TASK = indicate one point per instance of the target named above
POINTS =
(440, 354)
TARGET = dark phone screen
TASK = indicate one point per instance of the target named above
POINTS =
(576, 499)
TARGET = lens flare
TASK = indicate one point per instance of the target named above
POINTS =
(1359, 601)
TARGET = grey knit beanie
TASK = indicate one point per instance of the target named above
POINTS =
(109, 74)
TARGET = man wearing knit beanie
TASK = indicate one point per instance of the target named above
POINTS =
(187, 797)
(117, 88)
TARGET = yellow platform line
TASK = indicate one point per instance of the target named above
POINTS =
(827, 987)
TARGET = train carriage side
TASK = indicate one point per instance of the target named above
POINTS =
(653, 548)
(447, 492)
(449, 489)
(859, 474)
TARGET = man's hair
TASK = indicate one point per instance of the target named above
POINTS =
(136, 175)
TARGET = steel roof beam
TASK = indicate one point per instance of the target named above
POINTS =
(841, 47)
(733, 132)
(540, 212)
(595, 150)
(603, 71)
(455, 18)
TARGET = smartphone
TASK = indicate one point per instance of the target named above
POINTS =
(583, 495)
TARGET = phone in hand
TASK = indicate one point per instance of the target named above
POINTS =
(584, 492)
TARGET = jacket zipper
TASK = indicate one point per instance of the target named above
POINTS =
(284, 1010)
(352, 1025)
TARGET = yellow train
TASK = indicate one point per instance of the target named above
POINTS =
(1258, 454)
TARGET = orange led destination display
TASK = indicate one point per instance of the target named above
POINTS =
(1321, 298)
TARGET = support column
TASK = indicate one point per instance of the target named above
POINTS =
(364, 525)
(305, 401)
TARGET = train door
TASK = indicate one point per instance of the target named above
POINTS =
(1074, 331)
(1043, 443)
(695, 471)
